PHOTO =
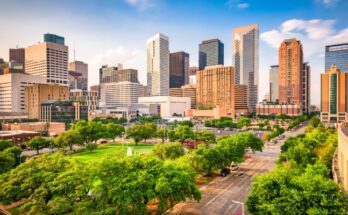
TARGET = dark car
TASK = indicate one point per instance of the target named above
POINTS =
(224, 172)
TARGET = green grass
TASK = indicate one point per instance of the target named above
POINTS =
(112, 148)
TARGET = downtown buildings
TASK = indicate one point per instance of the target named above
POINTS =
(336, 54)
(211, 52)
(178, 69)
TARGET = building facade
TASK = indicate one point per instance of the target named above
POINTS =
(240, 101)
(215, 87)
(158, 65)
(211, 52)
(121, 94)
(38, 93)
(277, 109)
(78, 75)
(178, 69)
(305, 87)
(115, 74)
(188, 90)
(337, 54)
(17, 55)
(62, 111)
(87, 98)
(12, 90)
(246, 60)
(334, 95)
(273, 84)
(48, 59)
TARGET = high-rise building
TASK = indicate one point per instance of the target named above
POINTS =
(12, 87)
(337, 54)
(178, 69)
(158, 65)
(188, 90)
(240, 101)
(38, 93)
(121, 94)
(115, 74)
(211, 52)
(273, 83)
(215, 87)
(305, 87)
(193, 70)
(334, 95)
(245, 60)
(17, 55)
(78, 75)
(87, 98)
(48, 59)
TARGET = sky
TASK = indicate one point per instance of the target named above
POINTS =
(115, 31)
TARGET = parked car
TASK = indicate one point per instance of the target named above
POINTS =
(224, 172)
(274, 141)
(234, 167)
(227, 129)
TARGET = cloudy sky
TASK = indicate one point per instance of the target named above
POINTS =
(115, 31)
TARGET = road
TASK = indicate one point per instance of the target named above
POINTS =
(220, 195)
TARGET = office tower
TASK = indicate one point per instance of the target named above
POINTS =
(245, 60)
(37, 93)
(12, 87)
(305, 86)
(215, 87)
(273, 83)
(17, 55)
(336, 54)
(178, 69)
(48, 59)
(121, 94)
(240, 99)
(78, 75)
(115, 74)
(334, 95)
(211, 52)
(158, 65)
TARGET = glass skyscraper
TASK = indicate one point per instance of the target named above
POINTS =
(337, 54)
(211, 52)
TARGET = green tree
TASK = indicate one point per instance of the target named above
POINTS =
(91, 131)
(140, 132)
(4, 144)
(68, 139)
(205, 136)
(114, 130)
(243, 121)
(205, 160)
(16, 152)
(168, 150)
(37, 143)
(183, 132)
(7, 162)
(162, 133)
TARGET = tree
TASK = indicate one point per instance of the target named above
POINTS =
(7, 161)
(68, 139)
(168, 150)
(37, 143)
(205, 136)
(243, 121)
(91, 131)
(314, 122)
(205, 160)
(16, 152)
(161, 133)
(183, 132)
(140, 132)
(114, 130)
(4, 144)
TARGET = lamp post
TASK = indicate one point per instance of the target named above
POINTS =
(240, 203)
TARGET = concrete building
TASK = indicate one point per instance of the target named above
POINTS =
(12, 90)
(215, 87)
(48, 59)
(240, 101)
(87, 98)
(336, 54)
(193, 70)
(188, 90)
(340, 160)
(53, 128)
(17, 55)
(158, 65)
(130, 112)
(78, 75)
(277, 109)
(211, 52)
(245, 60)
(178, 69)
(273, 84)
(305, 87)
(334, 95)
(121, 94)
(62, 111)
(166, 106)
(18, 136)
(115, 74)
(38, 93)
(94, 88)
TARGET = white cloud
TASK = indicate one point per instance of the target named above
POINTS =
(141, 4)
(243, 5)
(329, 2)
(314, 34)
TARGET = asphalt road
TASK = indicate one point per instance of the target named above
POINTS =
(221, 195)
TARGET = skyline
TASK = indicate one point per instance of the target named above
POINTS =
(112, 32)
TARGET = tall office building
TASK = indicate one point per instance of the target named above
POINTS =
(17, 55)
(48, 59)
(215, 87)
(305, 86)
(12, 88)
(334, 95)
(273, 83)
(158, 65)
(337, 54)
(115, 74)
(245, 60)
(78, 75)
(178, 69)
(211, 52)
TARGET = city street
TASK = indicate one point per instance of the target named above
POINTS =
(224, 195)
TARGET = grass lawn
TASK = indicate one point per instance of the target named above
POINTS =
(112, 148)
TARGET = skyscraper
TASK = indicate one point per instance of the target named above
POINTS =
(48, 59)
(305, 86)
(17, 55)
(334, 95)
(246, 60)
(273, 83)
(211, 52)
(158, 65)
(290, 72)
(337, 54)
(81, 81)
(178, 69)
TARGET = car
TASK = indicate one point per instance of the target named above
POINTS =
(227, 129)
(234, 167)
(224, 172)
(274, 141)
(282, 136)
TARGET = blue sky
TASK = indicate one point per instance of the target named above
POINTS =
(115, 31)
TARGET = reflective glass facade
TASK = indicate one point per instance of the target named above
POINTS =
(337, 54)
(211, 52)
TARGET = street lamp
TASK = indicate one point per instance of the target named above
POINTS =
(240, 203)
